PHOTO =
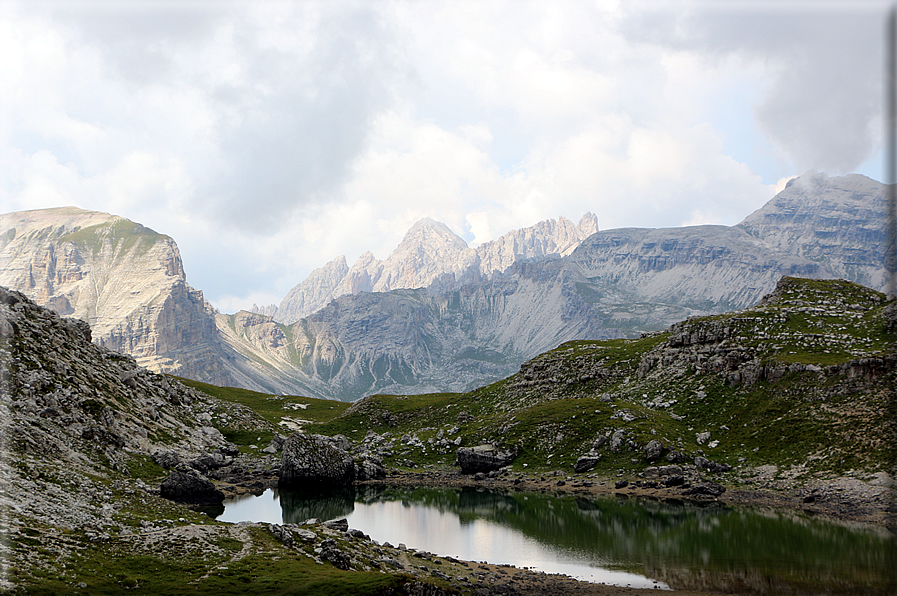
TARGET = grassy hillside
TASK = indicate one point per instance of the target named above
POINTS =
(803, 380)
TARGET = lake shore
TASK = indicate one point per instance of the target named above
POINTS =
(844, 498)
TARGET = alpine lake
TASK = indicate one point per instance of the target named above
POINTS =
(641, 543)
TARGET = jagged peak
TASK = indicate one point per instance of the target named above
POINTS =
(427, 229)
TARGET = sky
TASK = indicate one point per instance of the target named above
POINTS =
(269, 137)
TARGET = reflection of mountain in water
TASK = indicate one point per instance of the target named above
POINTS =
(300, 505)
(688, 545)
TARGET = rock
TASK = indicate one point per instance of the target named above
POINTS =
(676, 457)
(209, 461)
(167, 459)
(702, 462)
(674, 480)
(653, 450)
(600, 441)
(312, 459)
(586, 463)
(718, 467)
(621, 484)
(483, 458)
(282, 534)
(709, 489)
(340, 524)
(616, 440)
(304, 535)
(702, 438)
(186, 485)
(369, 468)
(329, 552)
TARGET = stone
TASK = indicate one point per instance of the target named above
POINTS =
(586, 463)
(676, 457)
(186, 485)
(702, 438)
(329, 552)
(621, 484)
(167, 459)
(313, 459)
(369, 468)
(483, 458)
(705, 489)
(339, 524)
(653, 450)
(616, 440)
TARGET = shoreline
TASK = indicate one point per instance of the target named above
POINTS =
(505, 579)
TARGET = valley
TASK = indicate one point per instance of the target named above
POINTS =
(437, 315)
(785, 404)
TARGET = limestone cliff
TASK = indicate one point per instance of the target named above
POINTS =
(836, 222)
(125, 280)
(432, 256)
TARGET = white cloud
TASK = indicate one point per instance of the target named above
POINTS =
(268, 138)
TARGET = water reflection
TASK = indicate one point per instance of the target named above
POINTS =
(298, 505)
(689, 546)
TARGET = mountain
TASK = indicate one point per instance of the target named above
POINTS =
(836, 222)
(414, 341)
(124, 279)
(431, 255)
(437, 315)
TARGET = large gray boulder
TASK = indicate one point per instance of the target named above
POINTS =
(313, 459)
(483, 458)
(186, 485)
(369, 467)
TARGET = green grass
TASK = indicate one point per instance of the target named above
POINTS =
(840, 421)
(180, 566)
(274, 407)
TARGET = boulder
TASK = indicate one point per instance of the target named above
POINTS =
(369, 468)
(616, 441)
(705, 489)
(653, 450)
(313, 459)
(186, 485)
(483, 458)
(586, 463)
(676, 457)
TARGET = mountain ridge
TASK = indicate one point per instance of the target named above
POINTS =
(467, 327)
(431, 255)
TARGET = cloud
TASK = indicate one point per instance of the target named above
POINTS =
(822, 64)
(268, 138)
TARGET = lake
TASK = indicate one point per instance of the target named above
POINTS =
(620, 541)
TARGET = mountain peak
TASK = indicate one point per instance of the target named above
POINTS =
(428, 230)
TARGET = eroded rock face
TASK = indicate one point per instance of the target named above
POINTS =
(187, 485)
(127, 281)
(313, 459)
(483, 458)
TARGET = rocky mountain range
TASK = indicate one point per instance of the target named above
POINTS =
(431, 256)
(437, 315)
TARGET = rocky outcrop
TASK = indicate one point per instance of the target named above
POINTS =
(125, 280)
(483, 459)
(432, 256)
(187, 485)
(314, 459)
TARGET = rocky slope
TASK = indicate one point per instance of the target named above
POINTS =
(794, 394)
(835, 222)
(412, 341)
(125, 280)
(431, 255)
